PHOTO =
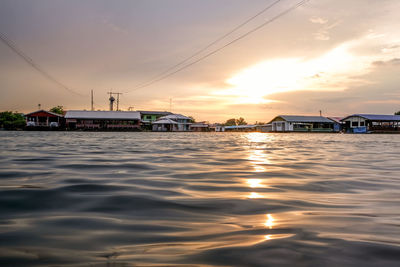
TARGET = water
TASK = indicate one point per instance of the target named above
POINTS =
(199, 199)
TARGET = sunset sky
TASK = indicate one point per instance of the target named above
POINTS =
(338, 56)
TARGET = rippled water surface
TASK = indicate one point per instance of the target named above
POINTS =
(199, 199)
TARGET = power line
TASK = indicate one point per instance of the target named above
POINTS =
(33, 64)
(212, 43)
(224, 46)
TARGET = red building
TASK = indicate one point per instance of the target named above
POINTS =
(44, 119)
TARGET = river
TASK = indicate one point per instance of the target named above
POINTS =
(199, 199)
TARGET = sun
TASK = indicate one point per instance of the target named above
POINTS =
(327, 72)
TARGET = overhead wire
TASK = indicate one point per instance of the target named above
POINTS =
(13, 46)
(286, 11)
(213, 42)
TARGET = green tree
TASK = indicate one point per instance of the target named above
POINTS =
(241, 121)
(12, 120)
(58, 110)
(192, 119)
(397, 113)
(230, 122)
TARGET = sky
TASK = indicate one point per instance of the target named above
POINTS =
(336, 56)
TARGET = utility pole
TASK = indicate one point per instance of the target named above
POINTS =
(39, 106)
(320, 113)
(118, 100)
(92, 100)
(112, 99)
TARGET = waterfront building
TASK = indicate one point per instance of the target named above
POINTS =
(43, 119)
(288, 123)
(265, 128)
(217, 127)
(102, 120)
(148, 117)
(172, 123)
(241, 128)
(338, 124)
(363, 123)
(200, 127)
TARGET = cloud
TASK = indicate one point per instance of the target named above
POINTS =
(391, 62)
(318, 20)
(323, 34)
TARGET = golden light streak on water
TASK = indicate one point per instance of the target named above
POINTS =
(255, 183)
(270, 221)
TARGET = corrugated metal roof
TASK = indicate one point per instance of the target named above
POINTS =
(376, 117)
(199, 125)
(240, 126)
(145, 112)
(336, 119)
(111, 115)
(291, 118)
(175, 117)
(165, 121)
(42, 110)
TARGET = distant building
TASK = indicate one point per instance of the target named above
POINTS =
(44, 119)
(200, 127)
(265, 128)
(172, 123)
(217, 127)
(338, 124)
(288, 123)
(148, 117)
(363, 123)
(241, 128)
(102, 120)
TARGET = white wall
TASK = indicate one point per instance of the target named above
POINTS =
(358, 120)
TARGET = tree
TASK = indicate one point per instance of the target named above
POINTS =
(230, 122)
(397, 113)
(241, 121)
(192, 119)
(58, 110)
(12, 120)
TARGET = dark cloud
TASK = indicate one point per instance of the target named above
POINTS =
(391, 62)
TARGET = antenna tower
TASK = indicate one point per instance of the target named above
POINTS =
(112, 99)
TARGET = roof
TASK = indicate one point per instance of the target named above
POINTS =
(145, 112)
(165, 121)
(336, 119)
(175, 117)
(291, 118)
(199, 125)
(239, 126)
(376, 117)
(45, 111)
(113, 115)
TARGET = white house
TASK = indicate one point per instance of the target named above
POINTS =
(288, 123)
(172, 123)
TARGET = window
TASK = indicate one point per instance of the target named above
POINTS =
(354, 123)
(362, 123)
